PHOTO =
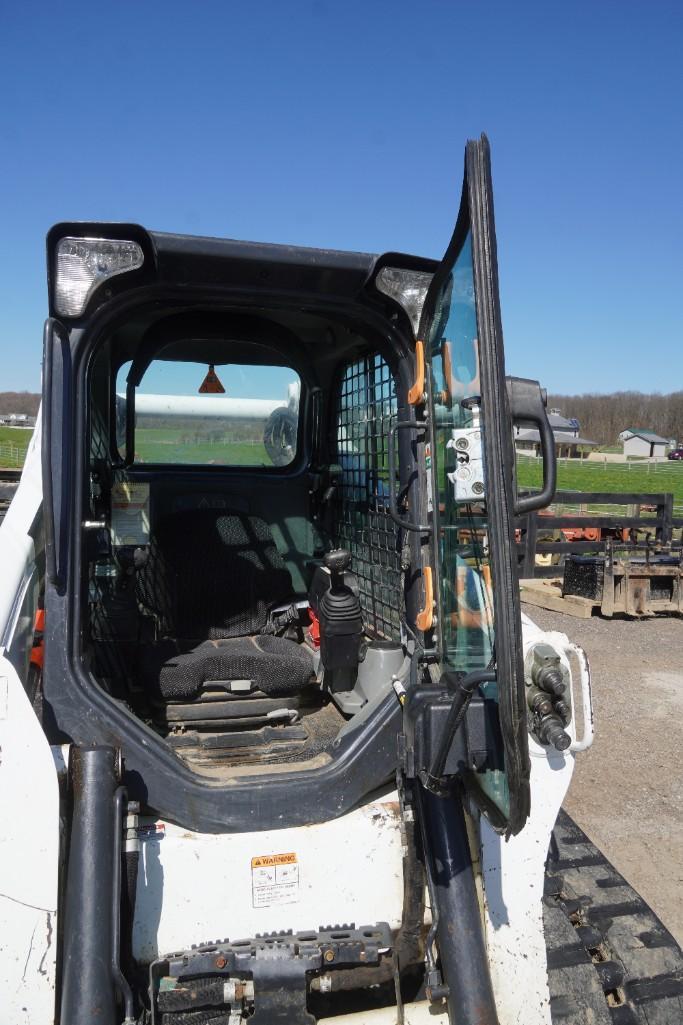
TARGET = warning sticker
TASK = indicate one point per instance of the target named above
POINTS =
(130, 513)
(274, 880)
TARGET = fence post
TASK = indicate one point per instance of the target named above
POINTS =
(530, 545)
(667, 514)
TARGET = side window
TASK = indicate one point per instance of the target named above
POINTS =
(252, 421)
(366, 405)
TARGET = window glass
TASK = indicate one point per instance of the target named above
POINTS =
(466, 598)
(253, 422)
(466, 581)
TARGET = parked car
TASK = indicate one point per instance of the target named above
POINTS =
(675, 453)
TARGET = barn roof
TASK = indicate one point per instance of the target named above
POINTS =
(560, 438)
(641, 432)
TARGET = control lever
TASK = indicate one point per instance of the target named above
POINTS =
(341, 625)
(337, 561)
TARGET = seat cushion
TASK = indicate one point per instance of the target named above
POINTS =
(277, 666)
(212, 573)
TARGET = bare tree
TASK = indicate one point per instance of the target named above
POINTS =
(603, 417)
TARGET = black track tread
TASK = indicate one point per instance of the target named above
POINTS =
(610, 959)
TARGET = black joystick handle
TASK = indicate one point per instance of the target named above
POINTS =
(337, 562)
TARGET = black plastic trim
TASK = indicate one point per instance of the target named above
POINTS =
(364, 759)
(476, 214)
(499, 464)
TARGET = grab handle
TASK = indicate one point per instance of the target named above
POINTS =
(527, 407)
(402, 425)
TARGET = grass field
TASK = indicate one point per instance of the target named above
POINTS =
(13, 444)
(164, 445)
(577, 475)
(167, 446)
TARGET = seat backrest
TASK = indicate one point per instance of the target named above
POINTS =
(212, 573)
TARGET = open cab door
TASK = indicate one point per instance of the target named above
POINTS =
(471, 500)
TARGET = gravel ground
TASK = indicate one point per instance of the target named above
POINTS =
(627, 790)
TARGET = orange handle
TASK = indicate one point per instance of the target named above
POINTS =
(425, 616)
(447, 393)
(416, 393)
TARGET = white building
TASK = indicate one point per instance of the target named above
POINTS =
(638, 441)
(568, 442)
(17, 420)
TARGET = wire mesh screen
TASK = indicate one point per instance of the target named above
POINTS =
(366, 405)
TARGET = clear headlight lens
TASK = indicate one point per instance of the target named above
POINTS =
(84, 263)
(408, 287)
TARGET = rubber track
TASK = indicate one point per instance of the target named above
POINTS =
(610, 959)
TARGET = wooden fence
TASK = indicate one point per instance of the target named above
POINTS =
(638, 517)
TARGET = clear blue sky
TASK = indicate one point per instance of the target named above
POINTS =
(342, 125)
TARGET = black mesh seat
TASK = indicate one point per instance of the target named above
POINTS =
(210, 582)
(212, 573)
(276, 666)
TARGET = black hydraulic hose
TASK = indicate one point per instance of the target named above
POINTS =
(435, 988)
(120, 981)
(460, 935)
(87, 983)
(465, 688)
(131, 859)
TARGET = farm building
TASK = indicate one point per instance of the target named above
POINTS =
(568, 442)
(17, 420)
(638, 441)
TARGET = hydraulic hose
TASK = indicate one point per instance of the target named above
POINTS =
(87, 980)
(465, 688)
(120, 981)
(459, 931)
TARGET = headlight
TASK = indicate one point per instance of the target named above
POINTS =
(408, 287)
(84, 263)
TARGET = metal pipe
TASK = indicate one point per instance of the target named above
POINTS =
(206, 407)
(435, 987)
(87, 982)
(120, 981)
(460, 938)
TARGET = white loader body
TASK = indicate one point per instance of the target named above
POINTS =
(345, 870)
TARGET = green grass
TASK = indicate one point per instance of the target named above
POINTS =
(165, 445)
(577, 475)
(14, 442)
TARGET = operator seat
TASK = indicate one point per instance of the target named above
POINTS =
(211, 581)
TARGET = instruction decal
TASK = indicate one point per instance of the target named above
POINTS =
(130, 513)
(274, 880)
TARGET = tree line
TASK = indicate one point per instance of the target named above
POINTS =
(603, 417)
(19, 402)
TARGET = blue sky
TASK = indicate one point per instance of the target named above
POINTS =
(343, 125)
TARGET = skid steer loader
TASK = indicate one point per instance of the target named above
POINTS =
(277, 743)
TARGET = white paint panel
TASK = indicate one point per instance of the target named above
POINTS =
(414, 1014)
(197, 887)
(513, 876)
(29, 793)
